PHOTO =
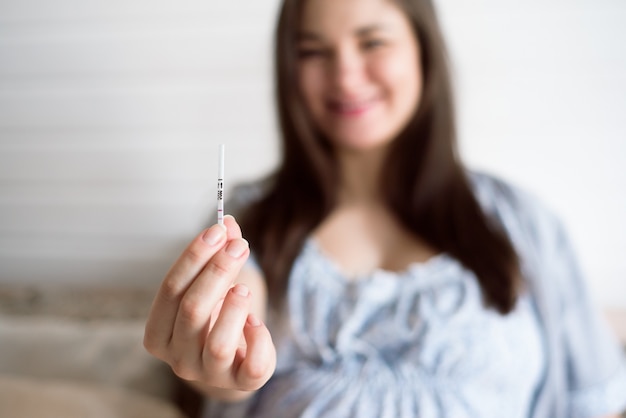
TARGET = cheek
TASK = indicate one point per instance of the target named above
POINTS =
(310, 83)
(403, 77)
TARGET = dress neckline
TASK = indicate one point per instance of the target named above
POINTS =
(416, 269)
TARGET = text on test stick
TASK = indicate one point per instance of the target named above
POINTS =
(220, 186)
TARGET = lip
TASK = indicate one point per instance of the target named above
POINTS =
(351, 108)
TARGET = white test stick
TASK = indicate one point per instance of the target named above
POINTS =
(220, 187)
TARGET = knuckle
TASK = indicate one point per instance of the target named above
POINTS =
(192, 312)
(150, 345)
(219, 268)
(181, 368)
(218, 351)
(194, 256)
(255, 372)
(171, 289)
(154, 345)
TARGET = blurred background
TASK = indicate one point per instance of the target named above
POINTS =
(111, 113)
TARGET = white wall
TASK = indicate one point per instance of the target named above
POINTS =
(111, 112)
(542, 98)
(110, 116)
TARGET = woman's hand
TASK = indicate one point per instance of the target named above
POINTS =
(202, 325)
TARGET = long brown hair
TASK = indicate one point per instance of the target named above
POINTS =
(426, 186)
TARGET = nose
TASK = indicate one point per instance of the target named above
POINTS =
(347, 70)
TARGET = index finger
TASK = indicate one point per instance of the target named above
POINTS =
(180, 276)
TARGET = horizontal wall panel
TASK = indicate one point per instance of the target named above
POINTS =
(216, 107)
(78, 10)
(150, 139)
(103, 219)
(83, 271)
(195, 53)
(152, 167)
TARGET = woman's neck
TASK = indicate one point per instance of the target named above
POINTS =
(359, 180)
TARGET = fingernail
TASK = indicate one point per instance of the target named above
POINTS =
(214, 234)
(241, 290)
(253, 321)
(237, 247)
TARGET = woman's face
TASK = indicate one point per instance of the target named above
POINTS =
(359, 70)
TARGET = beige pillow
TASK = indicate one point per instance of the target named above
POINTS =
(22, 397)
(102, 352)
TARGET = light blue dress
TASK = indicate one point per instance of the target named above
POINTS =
(420, 343)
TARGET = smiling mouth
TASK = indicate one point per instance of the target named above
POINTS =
(351, 108)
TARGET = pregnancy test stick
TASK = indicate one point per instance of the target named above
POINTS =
(220, 187)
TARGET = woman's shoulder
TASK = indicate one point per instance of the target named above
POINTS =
(528, 220)
(497, 194)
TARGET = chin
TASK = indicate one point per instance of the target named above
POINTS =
(361, 141)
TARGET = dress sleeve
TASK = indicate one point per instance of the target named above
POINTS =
(595, 363)
(588, 377)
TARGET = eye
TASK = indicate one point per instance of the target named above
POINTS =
(304, 53)
(372, 44)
